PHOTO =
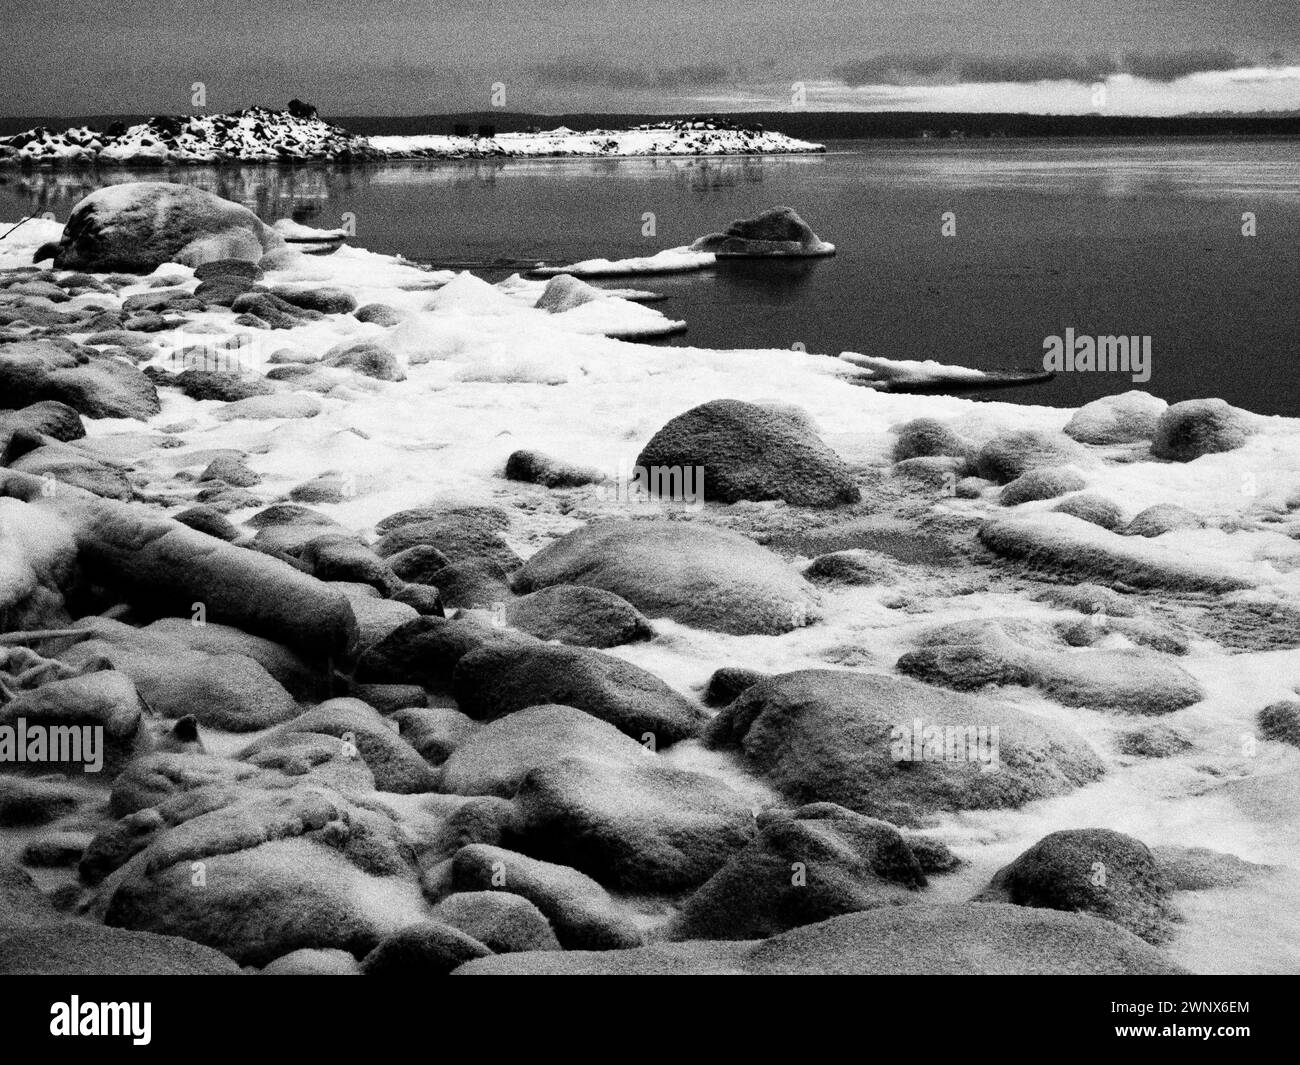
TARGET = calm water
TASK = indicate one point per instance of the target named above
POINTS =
(1124, 238)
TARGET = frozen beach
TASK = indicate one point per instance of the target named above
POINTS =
(1117, 589)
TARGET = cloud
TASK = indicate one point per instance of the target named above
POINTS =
(1170, 66)
(954, 68)
(605, 75)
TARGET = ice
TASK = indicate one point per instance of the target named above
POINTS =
(668, 261)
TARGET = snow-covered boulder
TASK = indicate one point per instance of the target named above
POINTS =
(138, 226)
(778, 231)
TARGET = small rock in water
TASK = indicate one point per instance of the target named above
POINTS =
(778, 231)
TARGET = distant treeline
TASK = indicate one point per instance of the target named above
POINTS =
(811, 125)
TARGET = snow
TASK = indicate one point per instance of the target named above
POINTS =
(488, 373)
(668, 261)
(657, 139)
(910, 371)
(252, 135)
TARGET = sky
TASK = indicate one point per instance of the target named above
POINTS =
(367, 57)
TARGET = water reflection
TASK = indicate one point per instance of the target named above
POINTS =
(1129, 170)
(302, 191)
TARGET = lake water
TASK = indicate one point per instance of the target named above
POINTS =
(1123, 238)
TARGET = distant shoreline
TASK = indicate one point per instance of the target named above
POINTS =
(299, 135)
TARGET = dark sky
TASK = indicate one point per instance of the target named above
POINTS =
(409, 57)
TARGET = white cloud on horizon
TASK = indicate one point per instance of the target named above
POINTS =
(1246, 89)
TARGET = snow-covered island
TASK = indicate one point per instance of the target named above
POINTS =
(258, 134)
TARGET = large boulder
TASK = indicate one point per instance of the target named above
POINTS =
(895, 749)
(81, 948)
(922, 939)
(1091, 870)
(38, 560)
(1012, 454)
(396, 765)
(495, 759)
(1161, 518)
(429, 948)
(26, 802)
(929, 438)
(324, 873)
(969, 656)
(639, 827)
(1046, 482)
(503, 678)
(579, 616)
(816, 862)
(580, 910)
(92, 384)
(366, 358)
(22, 903)
(45, 457)
(105, 699)
(500, 920)
(152, 778)
(1067, 548)
(746, 451)
(693, 573)
(427, 649)
(165, 568)
(1197, 427)
(47, 417)
(462, 534)
(304, 678)
(225, 691)
(1123, 419)
(778, 231)
(137, 226)
(956, 938)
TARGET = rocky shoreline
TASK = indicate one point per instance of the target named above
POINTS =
(432, 627)
(298, 135)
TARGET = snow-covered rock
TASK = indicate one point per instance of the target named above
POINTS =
(255, 134)
(140, 225)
